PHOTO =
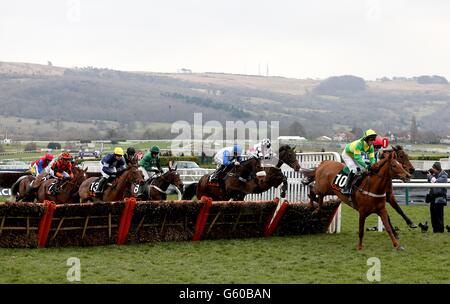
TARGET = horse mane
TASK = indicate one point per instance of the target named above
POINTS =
(284, 147)
(377, 166)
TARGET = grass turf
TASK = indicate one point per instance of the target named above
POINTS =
(324, 258)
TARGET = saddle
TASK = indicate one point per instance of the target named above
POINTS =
(219, 179)
(340, 179)
(96, 183)
(55, 187)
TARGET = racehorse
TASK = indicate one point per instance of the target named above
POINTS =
(274, 175)
(369, 197)
(121, 186)
(68, 189)
(157, 187)
(238, 182)
(403, 159)
(20, 189)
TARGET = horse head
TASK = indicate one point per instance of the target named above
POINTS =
(287, 156)
(393, 167)
(174, 178)
(79, 175)
(403, 159)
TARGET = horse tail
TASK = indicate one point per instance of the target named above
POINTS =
(15, 188)
(189, 191)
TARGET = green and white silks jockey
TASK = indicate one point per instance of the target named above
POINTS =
(354, 160)
(150, 163)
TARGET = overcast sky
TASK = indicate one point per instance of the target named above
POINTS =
(301, 39)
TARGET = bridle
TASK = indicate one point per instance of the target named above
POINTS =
(165, 180)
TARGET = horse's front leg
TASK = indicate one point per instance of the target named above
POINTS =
(393, 202)
(384, 218)
(284, 187)
(362, 222)
(319, 203)
(312, 196)
(397, 237)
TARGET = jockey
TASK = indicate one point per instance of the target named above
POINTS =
(150, 164)
(353, 159)
(263, 149)
(226, 157)
(61, 168)
(130, 155)
(112, 164)
(41, 164)
(40, 168)
(377, 148)
(378, 145)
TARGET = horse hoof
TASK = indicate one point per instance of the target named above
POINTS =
(412, 225)
(359, 248)
(400, 248)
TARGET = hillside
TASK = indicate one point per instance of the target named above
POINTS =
(90, 102)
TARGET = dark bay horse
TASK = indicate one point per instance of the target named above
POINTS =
(403, 159)
(369, 197)
(238, 182)
(121, 186)
(68, 190)
(156, 189)
(274, 175)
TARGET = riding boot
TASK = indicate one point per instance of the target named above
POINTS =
(141, 191)
(101, 185)
(215, 175)
(55, 189)
(348, 186)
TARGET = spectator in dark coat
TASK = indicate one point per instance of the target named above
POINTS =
(437, 197)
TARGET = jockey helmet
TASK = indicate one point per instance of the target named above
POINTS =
(48, 156)
(66, 156)
(266, 142)
(369, 135)
(118, 151)
(378, 143)
(131, 151)
(237, 149)
(155, 149)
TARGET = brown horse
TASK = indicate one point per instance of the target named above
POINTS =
(369, 197)
(20, 190)
(274, 175)
(403, 159)
(240, 181)
(68, 189)
(121, 186)
(156, 189)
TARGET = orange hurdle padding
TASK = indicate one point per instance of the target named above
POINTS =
(46, 222)
(201, 218)
(275, 219)
(125, 220)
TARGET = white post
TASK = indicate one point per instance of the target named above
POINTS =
(335, 226)
(380, 225)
